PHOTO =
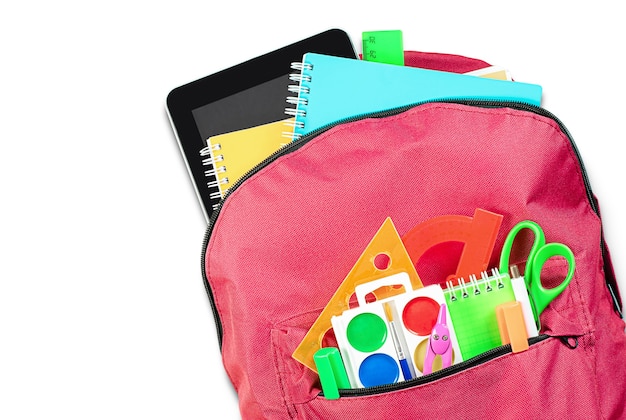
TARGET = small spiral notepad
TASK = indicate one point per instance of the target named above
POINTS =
(331, 88)
(231, 155)
(472, 305)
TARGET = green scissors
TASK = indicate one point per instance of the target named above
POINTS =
(540, 297)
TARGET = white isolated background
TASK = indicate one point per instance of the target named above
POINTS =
(103, 313)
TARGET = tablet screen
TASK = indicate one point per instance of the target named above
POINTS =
(254, 106)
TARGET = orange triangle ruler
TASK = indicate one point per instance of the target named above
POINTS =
(384, 256)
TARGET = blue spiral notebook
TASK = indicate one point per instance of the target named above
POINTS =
(333, 88)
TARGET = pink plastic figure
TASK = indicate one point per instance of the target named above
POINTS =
(439, 343)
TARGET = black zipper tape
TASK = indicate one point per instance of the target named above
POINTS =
(570, 341)
(611, 281)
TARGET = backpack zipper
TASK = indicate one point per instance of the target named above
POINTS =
(570, 342)
(610, 280)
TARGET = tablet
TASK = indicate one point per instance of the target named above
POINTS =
(243, 96)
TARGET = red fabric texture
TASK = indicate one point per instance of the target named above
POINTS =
(285, 240)
(444, 62)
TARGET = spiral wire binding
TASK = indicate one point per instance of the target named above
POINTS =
(300, 101)
(297, 100)
(298, 89)
(473, 286)
(212, 160)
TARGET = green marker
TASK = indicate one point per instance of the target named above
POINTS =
(383, 47)
(333, 375)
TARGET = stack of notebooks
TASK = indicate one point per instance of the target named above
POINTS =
(331, 89)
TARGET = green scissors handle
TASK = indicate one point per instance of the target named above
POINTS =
(540, 252)
(540, 295)
(540, 240)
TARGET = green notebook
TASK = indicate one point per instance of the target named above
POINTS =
(472, 305)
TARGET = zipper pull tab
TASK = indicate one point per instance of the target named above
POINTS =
(570, 341)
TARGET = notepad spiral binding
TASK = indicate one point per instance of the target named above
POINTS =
(473, 286)
(212, 159)
(300, 101)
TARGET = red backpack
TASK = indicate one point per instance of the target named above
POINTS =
(282, 241)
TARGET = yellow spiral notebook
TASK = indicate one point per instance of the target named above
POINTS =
(231, 155)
